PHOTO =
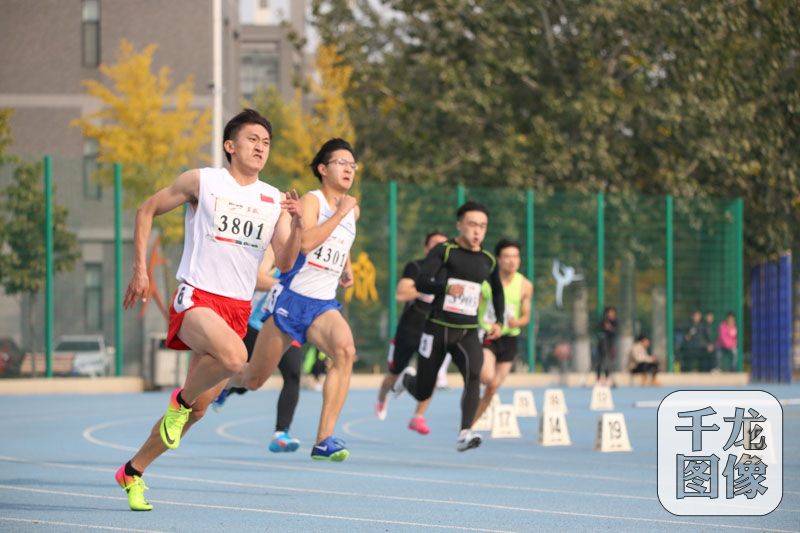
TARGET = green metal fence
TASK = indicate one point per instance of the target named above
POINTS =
(655, 259)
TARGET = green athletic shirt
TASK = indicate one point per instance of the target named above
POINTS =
(513, 300)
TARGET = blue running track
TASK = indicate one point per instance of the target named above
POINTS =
(58, 455)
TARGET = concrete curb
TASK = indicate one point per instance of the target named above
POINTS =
(111, 385)
(38, 386)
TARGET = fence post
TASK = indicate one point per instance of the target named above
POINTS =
(460, 195)
(670, 260)
(529, 255)
(601, 259)
(118, 325)
(48, 259)
(392, 256)
(739, 284)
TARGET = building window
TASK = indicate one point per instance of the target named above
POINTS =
(90, 22)
(91, 188)
(259, 69)
(93, 290)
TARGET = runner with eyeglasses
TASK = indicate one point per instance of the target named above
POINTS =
(302, 305)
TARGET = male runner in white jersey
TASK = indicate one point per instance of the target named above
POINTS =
(303, 304)
(409, 329)
(231, 218)
(499, 353)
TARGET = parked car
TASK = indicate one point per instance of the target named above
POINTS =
(10, 357)
(92, 358)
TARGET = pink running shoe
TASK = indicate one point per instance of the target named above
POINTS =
(419, 425)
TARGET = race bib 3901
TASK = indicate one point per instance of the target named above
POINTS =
(467, 303)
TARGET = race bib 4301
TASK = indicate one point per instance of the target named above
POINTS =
(330, 256)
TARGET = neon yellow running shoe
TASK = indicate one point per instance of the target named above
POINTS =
(135, 487)
(172, 424)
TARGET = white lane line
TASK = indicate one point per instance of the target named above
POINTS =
(278, 488)
(294, 489)
(249, 464)
(72, 524)
(394, 522)
(251, 509)
(347, 428)
(88, 433)
(653, 404)
(538, 472)
(423, 480)
(222, 432)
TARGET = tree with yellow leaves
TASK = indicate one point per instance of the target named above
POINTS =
(148, 127)
(299, 134)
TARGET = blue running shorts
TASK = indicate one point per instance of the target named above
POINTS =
(293, 313)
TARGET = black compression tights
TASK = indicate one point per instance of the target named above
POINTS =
(465, 347)
(290, 366)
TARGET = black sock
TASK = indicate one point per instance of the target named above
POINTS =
(131, 471)
(181, 401)
(238, 390)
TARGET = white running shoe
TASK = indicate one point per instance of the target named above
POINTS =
(381, 409)
(467, 440)
(399, 386)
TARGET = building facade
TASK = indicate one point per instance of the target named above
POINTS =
(47, 49)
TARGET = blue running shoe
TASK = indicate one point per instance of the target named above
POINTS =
(219, 403)
(330, 449)
(282, 442)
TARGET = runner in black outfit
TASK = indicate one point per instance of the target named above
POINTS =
(453, 273)
(409, 329)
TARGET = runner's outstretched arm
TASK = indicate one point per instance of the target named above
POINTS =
(184, 189)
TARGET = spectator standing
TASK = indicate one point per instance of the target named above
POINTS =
(727, 342)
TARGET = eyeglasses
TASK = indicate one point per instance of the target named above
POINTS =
(476, 225)
(344, 163)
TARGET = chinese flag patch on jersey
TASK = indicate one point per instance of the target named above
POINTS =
(268, 199)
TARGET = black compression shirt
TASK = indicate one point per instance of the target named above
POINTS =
(416, 311)
(450, 264)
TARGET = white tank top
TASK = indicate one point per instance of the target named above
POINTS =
(317, 274)
(227, 233)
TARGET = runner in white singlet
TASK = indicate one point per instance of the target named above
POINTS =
(231, 218)
(303, 304)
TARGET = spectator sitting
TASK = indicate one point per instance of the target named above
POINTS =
(641, 362)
